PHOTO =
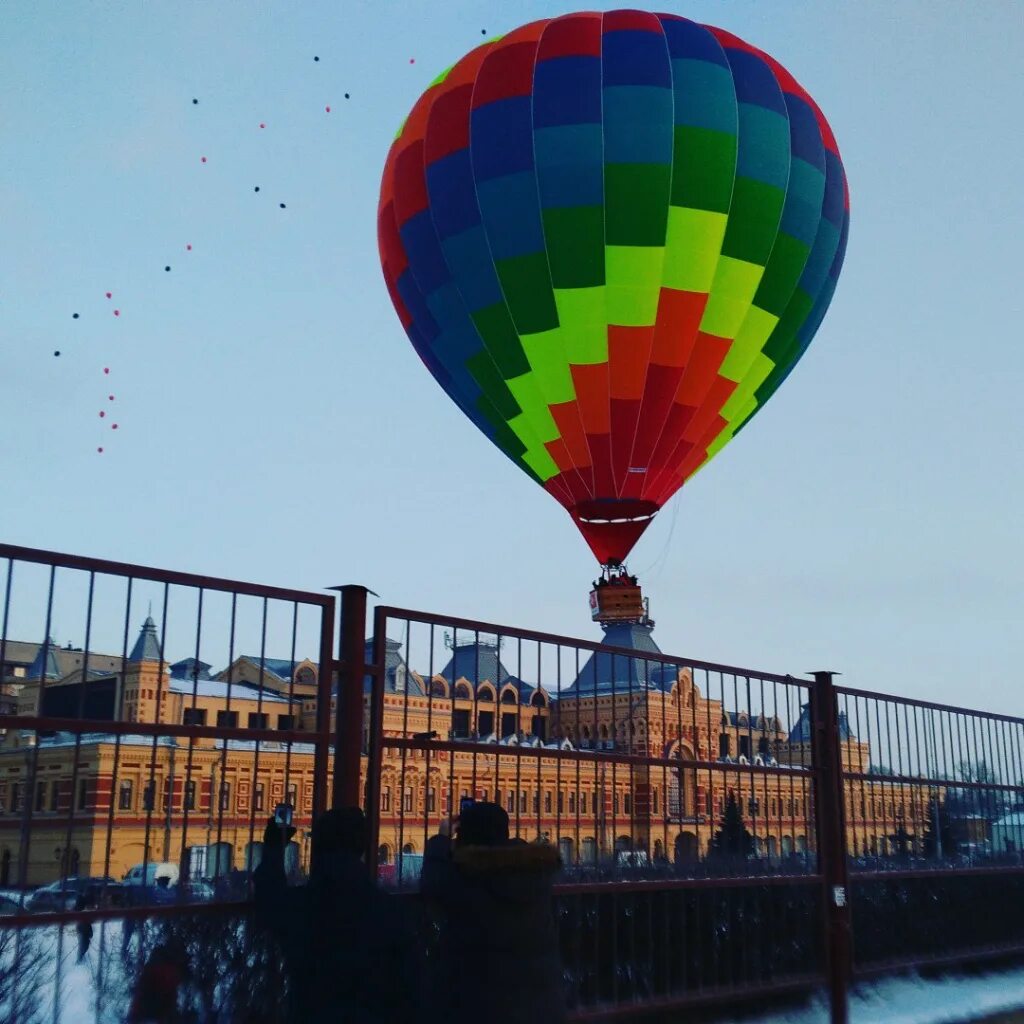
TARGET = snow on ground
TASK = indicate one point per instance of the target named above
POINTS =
(912, 1000)
(953, 999)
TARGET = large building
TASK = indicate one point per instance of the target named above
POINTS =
(98, 805)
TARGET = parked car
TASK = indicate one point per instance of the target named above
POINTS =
(71, 893)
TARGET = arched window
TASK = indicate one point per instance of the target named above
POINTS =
(384, 854)
(604, 731)
(438, 688)
(538, 701)
(485, 693)
(462, 692)
(408, 848)
(508, 696)
(565, 848)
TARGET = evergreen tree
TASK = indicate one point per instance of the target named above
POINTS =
(732, 842)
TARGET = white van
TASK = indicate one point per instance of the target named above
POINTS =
(147, 874)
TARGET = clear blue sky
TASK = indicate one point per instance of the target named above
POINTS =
(275, 424)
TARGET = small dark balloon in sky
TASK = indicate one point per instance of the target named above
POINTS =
(57, 352)
(256, 189)
(347, 96)
(74, 316)
(100, 450)
(110, 295)
(113, 426)
(263, 124)
(328, 109)
(282, 206)
(483, 31)
(412, 60)
(106, 369)
(316, 58)
(117, 312)
(188, 248)
(194, 100)
(167, 268)
(102, 414)
(110, 397)
(203, 159)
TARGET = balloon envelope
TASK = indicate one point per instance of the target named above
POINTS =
(610, 237)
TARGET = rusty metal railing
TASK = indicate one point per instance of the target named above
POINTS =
(723, 833)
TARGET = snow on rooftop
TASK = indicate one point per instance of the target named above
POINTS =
(219, 689)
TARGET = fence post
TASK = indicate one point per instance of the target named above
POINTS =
(831, 831)
(375, 742)
(349, 714)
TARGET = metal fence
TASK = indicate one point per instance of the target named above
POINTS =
(721, 832)
(934, 799)
(683, 814)
(147, 732)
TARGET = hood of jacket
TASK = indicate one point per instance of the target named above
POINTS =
(517, 872)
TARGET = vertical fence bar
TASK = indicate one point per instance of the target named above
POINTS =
(325, 681)
(828, 792)
(349, 721)
(375, 745)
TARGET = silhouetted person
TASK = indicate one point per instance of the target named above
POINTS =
(84, 929)
(497, 959)
(349, 951)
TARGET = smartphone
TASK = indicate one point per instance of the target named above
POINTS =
(283, 815)
(465, 803)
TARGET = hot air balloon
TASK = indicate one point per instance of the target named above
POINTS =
(610, 238)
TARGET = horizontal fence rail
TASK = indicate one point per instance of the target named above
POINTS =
(714, 832)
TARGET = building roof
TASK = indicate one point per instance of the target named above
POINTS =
(476, 661)
(283, 668)
(59, 661)
(68, 739)
(147, 646)
(88, 739)
(397, 677)
(801, 732)
(219, 688)
(190, 668)
(44, 665)
(605, 672)
(18, 653)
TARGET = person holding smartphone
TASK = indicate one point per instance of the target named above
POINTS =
(348, 949)
(497, 956)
